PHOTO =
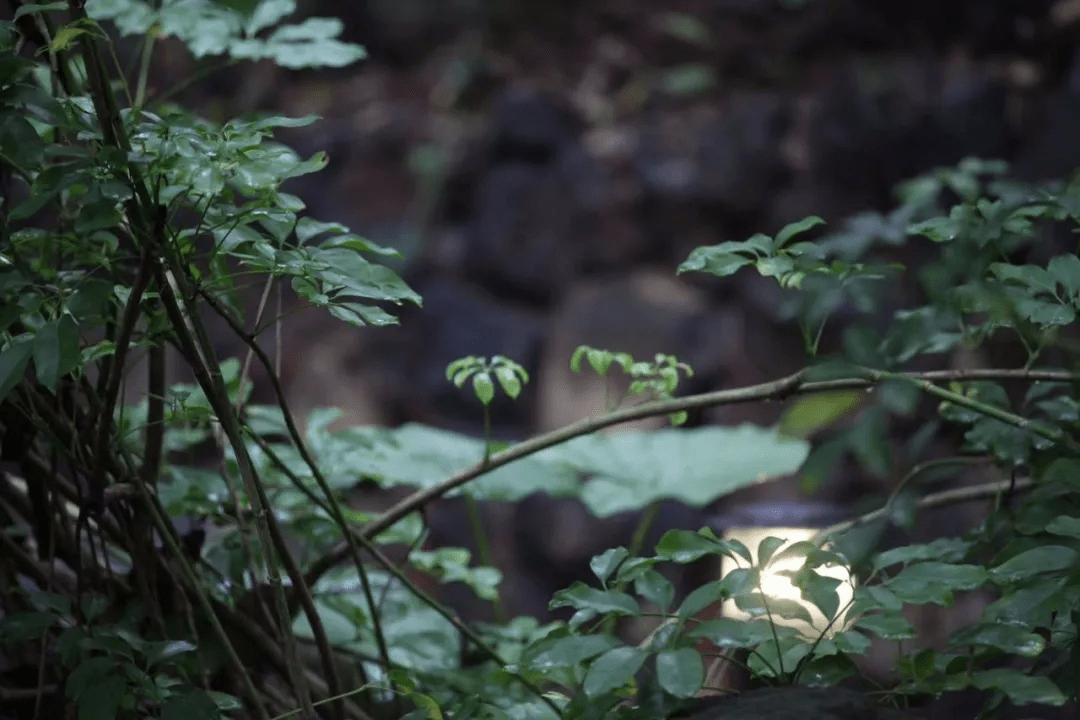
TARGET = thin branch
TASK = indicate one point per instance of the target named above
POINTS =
(209, 378)
(955, 496)
(795, 384)
(294, 433)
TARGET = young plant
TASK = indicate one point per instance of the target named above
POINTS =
(655, 381)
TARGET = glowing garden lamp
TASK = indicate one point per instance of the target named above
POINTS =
(794, 522)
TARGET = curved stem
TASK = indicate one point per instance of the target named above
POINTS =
(483, 548)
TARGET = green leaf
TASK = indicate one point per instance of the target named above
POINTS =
(1064, 525)
(1062, 471)
(736, 582)
(1036, 561)
(607, 562)
(39, 7)
(634, 568)
(94, 605)
(875, 597)
(47, 185)
(167, 650)
(1032, 276)
(680, 672)
(795, 228)
(422, 457)
(359, 315)
(939, 229)
(57, 603)
(13, 361)
(716, 262)
(1045, 313)
(428, 705)
(686, 27)
(451, 565)
(919, 665)
(631, 470)
(509, 380)
(348, 272)
(820, 590)
(612, 670)
(189, 705)
(90, 299)
(600, 360)
(583, 597)
(262, 14)
(777, 266)
(888, 626)
(100, 700)
(655, 588)
(869, 442)
(935, 582)
(1021, 688)
(731, 633)
(548, 654)
(1012, 639)
(827, 671)
(944, 549)
(767, 547)
(308, 228)
(62, 41)
(26, 626)
(688, 79)
(483, 387)
(684, 546)
(1031, 606)
(56, 351)
(759, 604)
(224, 701)
(813, 413)
(19, 141)
(1065, 270)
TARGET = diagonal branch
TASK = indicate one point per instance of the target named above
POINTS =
(796, 384)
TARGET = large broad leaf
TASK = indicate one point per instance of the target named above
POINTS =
(551, 653)
(680, 672)
(628, 471)
(1021, 688)
(633, 469)
(13, 361)
(612, 670)
(424, 456)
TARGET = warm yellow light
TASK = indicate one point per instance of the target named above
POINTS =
(778, 586)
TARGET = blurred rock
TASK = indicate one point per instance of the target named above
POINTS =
(394, 32)
(740, 158)
(530, 127)
(876, 125)
(1052, 150)
(520, 198)
(667, 157)
(525, 236)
